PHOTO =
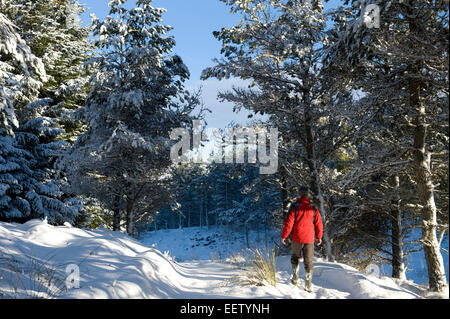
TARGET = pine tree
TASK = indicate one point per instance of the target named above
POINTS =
(26, 188)
(136, 99)
(403, 67)
(53, 31)
(22, 74)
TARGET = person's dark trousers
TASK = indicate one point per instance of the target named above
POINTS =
(305, 250)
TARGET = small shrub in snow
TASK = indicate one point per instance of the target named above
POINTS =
(262, 271)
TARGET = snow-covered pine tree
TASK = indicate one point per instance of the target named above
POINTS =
(403, 65)
(26, 189)
(53, 31)
(136, 99)
(21, 74)
(371, 194)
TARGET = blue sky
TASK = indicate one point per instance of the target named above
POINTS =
(194, 22)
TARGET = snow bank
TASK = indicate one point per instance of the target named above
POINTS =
(34, 258)
(111, 264)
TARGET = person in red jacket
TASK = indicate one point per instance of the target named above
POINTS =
(307, 229)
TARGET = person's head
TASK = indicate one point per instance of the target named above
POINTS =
(303, 192)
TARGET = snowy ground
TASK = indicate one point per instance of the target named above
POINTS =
(34, 259)
(213, 243)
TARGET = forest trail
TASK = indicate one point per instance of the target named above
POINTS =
(112, 265)
(208, 279)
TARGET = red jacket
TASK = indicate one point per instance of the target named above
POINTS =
(303, 228)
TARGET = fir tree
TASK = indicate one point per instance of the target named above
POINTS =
(123, 159)
(402, 66)
(26, 188)
(53, 31)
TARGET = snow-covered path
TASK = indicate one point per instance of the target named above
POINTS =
(206, 279)
(112, 265)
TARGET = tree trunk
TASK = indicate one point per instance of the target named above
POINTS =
(189, 217)
(258, 237)
(116, 214)
(201, 213)
(435, 263)
(266, 239)
(130, 223)
(205, 207)
(246, 236)
(398, 266)
(116, 220)
(422, 176)
(315, 179)
(130, 218)
(284, 192)
(326, 239)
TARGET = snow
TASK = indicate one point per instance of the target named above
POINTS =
(34, 257)
(202, 243)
